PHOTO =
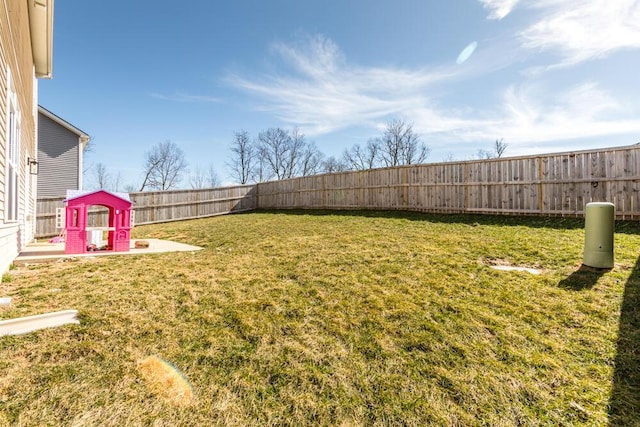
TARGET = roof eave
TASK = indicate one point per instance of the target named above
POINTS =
(83, 137)
(41, 28)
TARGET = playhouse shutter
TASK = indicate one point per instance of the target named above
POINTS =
(60, 217)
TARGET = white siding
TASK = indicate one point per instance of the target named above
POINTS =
(16, 59)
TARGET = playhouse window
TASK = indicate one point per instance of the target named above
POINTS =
(12, 156)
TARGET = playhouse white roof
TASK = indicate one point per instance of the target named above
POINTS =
(74, 194)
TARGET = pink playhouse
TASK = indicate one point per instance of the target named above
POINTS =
(81, 238)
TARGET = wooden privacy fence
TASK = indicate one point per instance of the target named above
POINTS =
(158, 206)
(553, 184)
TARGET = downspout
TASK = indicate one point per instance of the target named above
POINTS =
(80, 164)
(83, 142)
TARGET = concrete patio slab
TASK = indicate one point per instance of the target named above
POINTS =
(48, 252)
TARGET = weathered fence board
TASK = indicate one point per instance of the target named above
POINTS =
(554, 184)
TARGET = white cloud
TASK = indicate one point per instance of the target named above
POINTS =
(529, 114)
(499, 8)
(324, 93)
(582, 30)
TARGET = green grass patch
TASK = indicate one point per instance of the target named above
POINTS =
(335, 318)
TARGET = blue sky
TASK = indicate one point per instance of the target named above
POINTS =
(545, 75)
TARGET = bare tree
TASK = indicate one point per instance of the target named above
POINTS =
(288, 154)
(449, 157)
(359, 158)
(212, 177)
(203, 178)
(88, 149)
(279, 152)
(400, 145)
(332, 164)
(311, 160)
(261, 172)
(116, 182)
(296, 148)
(485, 154)
(130, 188)
(102, 176)
(164, 166)
(275, 153)
(243, 158)
(198, 178)
(498, 150)
(500, 147)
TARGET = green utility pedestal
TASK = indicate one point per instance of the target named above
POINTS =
(598, 237)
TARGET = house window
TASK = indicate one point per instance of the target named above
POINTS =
(12, 156)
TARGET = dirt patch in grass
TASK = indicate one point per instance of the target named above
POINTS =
(504, 265)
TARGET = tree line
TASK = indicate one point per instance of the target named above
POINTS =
(280, 154)
(277, 153)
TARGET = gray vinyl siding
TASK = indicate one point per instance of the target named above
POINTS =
(58, 156)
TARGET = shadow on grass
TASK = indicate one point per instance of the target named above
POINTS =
(553, 222)
(583, 278)
(624, 404)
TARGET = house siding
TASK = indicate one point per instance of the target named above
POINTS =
(58, 157)
(16, 57)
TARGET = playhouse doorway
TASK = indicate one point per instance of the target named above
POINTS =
(99, 229)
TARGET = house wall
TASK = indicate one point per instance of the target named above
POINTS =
(16, 58)
(58, 155)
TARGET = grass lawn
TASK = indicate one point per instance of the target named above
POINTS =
(320, 318)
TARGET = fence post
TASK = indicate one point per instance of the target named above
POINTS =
(465, 182)
(540, 186)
